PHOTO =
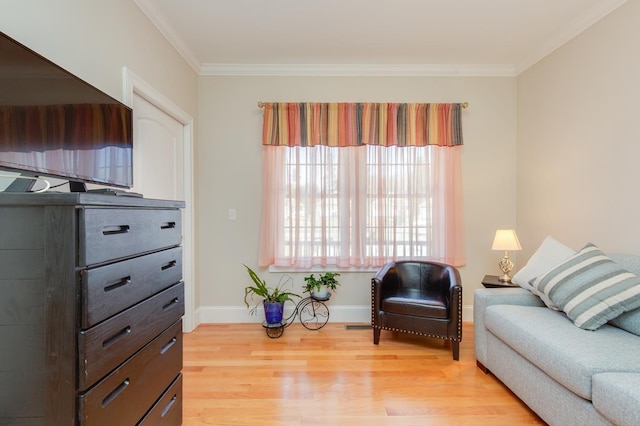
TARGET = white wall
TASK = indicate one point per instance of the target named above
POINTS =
(230, 173)
(579, 140)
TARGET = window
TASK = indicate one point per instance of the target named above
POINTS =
(398, 223)
(360, 205)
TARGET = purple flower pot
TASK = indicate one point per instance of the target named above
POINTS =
(273, 311)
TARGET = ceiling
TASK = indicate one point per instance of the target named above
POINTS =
(370, 37)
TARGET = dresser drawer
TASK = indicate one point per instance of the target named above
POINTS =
(105, 346)
(125, 395)
(168, 410)
(109, 234)
(109, 289)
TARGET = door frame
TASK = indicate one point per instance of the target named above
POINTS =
(132, 84)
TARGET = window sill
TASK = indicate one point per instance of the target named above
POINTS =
(320, 269)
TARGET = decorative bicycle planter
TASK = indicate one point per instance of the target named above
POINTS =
(313, 313)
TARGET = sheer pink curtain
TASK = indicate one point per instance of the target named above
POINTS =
(358, 204)
(313, 206)
(271, 226)
(414, 207)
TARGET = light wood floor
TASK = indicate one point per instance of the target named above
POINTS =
(234, 374)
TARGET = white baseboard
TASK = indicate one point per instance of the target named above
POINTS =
(467, 313)
(240, 314)
(337, 313)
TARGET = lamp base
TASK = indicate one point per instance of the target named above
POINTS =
(505, 266)
(505, 278)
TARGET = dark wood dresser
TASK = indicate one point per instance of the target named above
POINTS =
(91, 306)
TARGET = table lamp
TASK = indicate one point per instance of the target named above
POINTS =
(506, 239)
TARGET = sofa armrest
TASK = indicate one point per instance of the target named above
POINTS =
(485, 297)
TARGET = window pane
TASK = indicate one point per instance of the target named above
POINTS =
(320, 209)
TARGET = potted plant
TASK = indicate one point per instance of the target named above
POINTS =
(272, 298)
(319, 287)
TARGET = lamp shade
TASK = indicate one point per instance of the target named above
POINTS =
(506, 239)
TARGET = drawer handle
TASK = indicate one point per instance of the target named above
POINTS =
(116, 229)
(114, 393)
(111, 340)
(168, 225)
(167, 407)
(173, 301)
(168, 265)
(121, 283)
(166, 347)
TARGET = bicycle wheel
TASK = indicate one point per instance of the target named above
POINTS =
(314, 314)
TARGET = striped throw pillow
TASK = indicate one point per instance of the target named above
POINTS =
(590, 288)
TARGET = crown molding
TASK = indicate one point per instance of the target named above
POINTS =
(157, 18)
(358, 70)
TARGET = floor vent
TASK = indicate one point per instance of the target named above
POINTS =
(357, 327)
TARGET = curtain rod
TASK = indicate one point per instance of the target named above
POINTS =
(464, 105)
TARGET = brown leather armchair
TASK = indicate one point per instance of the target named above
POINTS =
(418, 297)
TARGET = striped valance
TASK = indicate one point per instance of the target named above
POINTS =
(354, 124)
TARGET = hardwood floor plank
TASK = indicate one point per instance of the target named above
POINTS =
(234, 374)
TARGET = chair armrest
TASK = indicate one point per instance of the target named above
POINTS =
(382, 279)
(381, 274)
(455, 301)
(452, 275)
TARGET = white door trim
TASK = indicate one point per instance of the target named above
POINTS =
(135, 85)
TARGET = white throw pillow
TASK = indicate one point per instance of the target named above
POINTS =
(550, 253)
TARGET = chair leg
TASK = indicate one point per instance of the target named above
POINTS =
(376, 335)
(455, 346)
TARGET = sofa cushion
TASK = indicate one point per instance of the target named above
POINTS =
(629, 321)
(630, 262)
(568, 354)
(550, 253)
(590, 288)
(617, 397)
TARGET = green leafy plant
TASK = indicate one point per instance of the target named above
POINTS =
(266, 293)
(327, 279)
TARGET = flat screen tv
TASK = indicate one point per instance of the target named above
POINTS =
(54, 124)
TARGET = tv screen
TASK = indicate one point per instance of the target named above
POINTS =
(54, 124)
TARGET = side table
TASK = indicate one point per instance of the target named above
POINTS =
(492, 281)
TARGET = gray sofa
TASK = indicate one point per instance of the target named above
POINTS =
(567, 375)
